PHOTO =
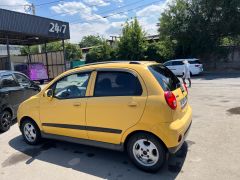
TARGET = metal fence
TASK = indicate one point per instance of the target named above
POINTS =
(54, 62)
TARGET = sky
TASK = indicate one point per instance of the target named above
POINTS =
(95, 17)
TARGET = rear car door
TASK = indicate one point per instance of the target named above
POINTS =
(118, 102)
(13, 93)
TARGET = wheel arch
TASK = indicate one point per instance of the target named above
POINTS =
(145, 132)
(30, 119)
(9, 110)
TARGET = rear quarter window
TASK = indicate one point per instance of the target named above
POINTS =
(165, 77)
(195, 62)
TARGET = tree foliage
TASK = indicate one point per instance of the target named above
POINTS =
(132, 44)
(160, 51)
(199, 26)
(91, 40)
(103, 52)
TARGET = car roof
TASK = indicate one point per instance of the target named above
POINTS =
(192, 59)
(111, 64)
(116, 64)
(6, 72)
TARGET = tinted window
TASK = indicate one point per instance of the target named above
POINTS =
(168, 63)
(22, 80)
(72, 86)
(117, 84)
(20, 67)
(177, 63)
(194, 62)
(8, 81)
(165, 77)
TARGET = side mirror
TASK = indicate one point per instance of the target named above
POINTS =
(35, 86)
(48, 93)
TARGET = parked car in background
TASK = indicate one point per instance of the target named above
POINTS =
(35, 71)
(140, 107)
(177, 66)
(15, 87)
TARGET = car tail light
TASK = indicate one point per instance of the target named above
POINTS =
(185, 86)
(170, 99)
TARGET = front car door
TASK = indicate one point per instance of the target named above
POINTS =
(170, 66)
(178, 67)
(11, 92)
(64, 114)
(26, 84)
(117, 103)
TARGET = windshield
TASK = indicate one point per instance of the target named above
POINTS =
(165, 77)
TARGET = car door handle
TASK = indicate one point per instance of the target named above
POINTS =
(132, 104)
(77, 104)
(6, 94)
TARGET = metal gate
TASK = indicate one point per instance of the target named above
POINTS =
(54, 62)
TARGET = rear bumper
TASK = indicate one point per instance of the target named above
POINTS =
(174, 149)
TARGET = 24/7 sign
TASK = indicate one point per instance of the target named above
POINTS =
(56, 28)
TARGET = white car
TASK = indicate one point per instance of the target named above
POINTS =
(177, 66)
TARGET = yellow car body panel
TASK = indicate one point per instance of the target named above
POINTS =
(112, 119)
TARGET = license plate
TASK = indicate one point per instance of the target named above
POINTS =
(183, 102)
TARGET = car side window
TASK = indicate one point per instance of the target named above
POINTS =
(117, 84)
(8, 81)
(72, 86)
(168, 64)
(177, 63)
(22, 80)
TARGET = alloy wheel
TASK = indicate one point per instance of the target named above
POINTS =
(29, 132)
(145, 152)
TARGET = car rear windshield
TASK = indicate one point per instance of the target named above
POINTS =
(165, 77)
(194, 62)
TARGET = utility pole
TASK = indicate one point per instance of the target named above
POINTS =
(33, 9)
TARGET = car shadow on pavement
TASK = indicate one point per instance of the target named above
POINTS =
(99, 162)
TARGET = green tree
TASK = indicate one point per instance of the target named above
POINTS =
(199, 26)
(103, 52)
(132, 44)
(31, 50)
(160, 51)
(73, 52)
(91, 40)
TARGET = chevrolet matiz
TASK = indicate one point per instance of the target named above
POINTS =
(140, 107)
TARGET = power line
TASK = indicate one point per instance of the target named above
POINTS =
(122, 12)
(42, 4)
(103, 12)
(52, 2)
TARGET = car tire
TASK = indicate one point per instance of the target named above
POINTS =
(146, 152)
(5, 121)
(30, 132)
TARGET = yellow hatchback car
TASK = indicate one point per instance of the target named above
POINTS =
(140, 107)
